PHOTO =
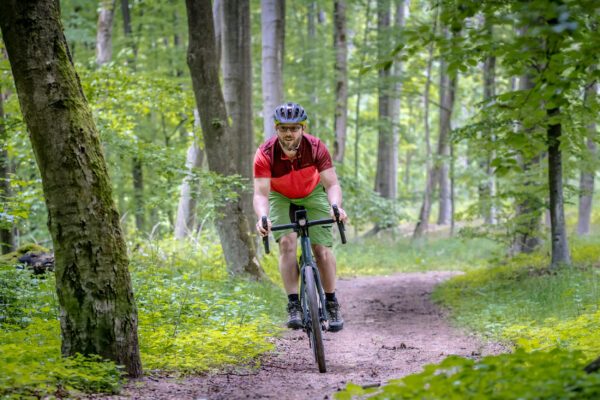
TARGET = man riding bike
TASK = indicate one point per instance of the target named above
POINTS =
(294, 169)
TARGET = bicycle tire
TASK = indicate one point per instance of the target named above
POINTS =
(315, 334)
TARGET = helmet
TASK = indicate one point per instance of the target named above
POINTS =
(290, 113)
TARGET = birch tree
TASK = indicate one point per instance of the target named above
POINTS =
(106, 14)
(97, 309)
(273, 35)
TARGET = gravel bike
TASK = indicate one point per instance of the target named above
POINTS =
(312, 295)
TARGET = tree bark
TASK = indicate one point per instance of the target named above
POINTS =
(232, 225)
(97, 308)
(487, 188)
(237, 89)
(341, 74)
(186, 210)
(104, 32)
(447, 94)
(218, 18)
(7, 240)
(560, 246)
(586, 181)
(359, 91)
(386, 175)
(273, 35)
(423, 222)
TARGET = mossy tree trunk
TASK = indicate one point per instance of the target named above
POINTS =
(232, 225)
(97, 309)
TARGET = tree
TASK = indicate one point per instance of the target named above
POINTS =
(341, 77)
(186, 209)
(448, 82)
(586, 180)
(6, 232)
(237, 88)
(387, 153)
(97, 309)
(273, 34)
(220, 143)
(104, 32)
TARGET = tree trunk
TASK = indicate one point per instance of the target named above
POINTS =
(487, 188)
(7, 240)
(528, 207)
(97, 308)
(218, 18)
(341, 87)
(560, 246)
(359, 91)
(104, 32)
(273, 35)
(237, 89)
(385, 179)
(447, 92)
(423, 222)
(232, 224)
(186, 210)
(586, 181)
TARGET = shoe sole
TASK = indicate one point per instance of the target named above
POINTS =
(295, 325)
(335, 328)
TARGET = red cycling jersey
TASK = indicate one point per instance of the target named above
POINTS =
(294, 178)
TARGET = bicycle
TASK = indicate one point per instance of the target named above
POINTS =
(312, 295)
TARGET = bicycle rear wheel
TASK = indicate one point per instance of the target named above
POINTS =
(313, 326)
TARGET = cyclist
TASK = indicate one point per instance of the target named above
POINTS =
(294, 169)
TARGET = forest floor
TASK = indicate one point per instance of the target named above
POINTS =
(392, 329)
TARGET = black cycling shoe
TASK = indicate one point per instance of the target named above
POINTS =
(294, 309)
(336, 322)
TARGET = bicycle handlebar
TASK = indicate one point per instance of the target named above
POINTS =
(294, 226)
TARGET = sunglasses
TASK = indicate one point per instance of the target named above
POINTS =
(294, 128)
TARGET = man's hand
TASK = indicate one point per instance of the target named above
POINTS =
(259, 227)
(343, 216)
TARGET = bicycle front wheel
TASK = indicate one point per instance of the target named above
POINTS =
(313, 326)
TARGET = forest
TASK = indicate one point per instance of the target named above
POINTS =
(464, 137)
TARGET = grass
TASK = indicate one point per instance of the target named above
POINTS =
(386, 256)
(193, 317)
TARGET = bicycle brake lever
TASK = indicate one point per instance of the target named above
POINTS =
(340, 224)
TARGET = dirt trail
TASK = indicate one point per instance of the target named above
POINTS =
(392, 329)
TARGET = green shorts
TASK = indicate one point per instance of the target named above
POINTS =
(317, 207)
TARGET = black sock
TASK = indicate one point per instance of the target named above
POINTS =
(330, 296)
(293, 297)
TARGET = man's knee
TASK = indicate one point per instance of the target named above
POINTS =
(287, 245)
(322, 253)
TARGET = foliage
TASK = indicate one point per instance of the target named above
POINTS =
(192, 317)
(556, 374)
(387, 254)
(522, 291)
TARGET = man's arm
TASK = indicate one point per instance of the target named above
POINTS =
(333, 190)
(260, 201)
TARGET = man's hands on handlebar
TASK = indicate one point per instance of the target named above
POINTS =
(260, 229)
(340, 216)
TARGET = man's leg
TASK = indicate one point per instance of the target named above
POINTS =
(327, 269)
(289, 275)
(287, 263)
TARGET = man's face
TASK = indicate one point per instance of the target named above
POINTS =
(289, 136)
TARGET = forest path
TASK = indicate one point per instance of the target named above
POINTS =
(391, 329)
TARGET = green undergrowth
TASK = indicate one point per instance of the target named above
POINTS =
(526, 304)
(386, 255)
(551, 318)
(557, 374)
(193, 317)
